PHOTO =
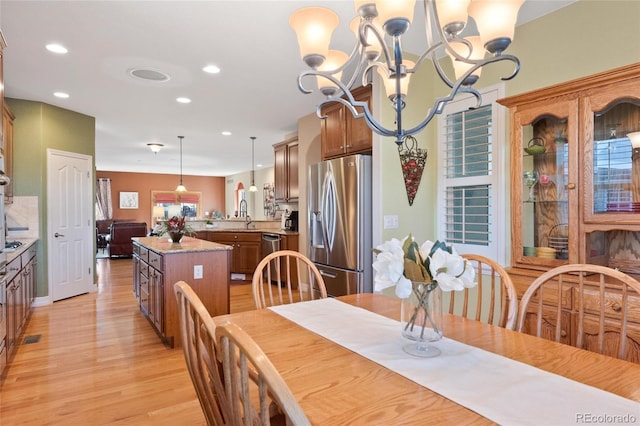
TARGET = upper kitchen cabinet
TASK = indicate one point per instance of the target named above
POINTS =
(341, 133)
(7, 135)
(286, 171)
(575, 176)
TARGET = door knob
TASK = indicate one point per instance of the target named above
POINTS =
(58, 235)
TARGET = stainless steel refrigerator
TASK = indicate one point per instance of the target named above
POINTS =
(339, 194)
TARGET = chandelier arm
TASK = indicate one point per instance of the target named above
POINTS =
(381, 41)
(359, 67)
(443, 76)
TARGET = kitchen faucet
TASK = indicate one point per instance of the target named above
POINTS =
(248, 221)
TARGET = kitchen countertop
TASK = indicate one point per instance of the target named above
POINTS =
(26, 243)
(243, 230)
(187, 244)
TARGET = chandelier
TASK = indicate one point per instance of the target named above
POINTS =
(379, 29)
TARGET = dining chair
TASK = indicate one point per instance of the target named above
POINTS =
(286, 276)
(495, 295)
(252, 382)
(599, 299)
(197, 331)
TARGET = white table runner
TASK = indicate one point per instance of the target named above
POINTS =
(503, 390)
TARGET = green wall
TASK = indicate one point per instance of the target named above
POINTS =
(38, 127)
(584, 38)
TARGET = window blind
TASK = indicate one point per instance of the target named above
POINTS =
(468, 170)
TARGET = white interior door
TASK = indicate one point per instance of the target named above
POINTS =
(69, 224)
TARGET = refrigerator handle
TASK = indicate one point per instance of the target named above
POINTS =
(328, 274)
(328, 211)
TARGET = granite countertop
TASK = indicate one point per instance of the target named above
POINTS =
(242, 230)
(164, 245)
(26, 243)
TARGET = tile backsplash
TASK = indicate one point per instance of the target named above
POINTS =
(22, 218)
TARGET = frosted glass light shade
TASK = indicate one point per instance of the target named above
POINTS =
(462, 49)
(495, 19)
(390, 82)
(390, 9)
(181, 188)
(314, 27)
(453, 13)
(635, 139)
(335, 59)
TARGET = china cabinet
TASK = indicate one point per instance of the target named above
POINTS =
(575, 182)
(577, 199)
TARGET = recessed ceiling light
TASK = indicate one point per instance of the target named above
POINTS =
(148, 74)
(61, 95)
(211, 69)
(183, 100)
(226, 133)
(56, 48)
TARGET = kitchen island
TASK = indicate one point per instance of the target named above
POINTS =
(158, 264)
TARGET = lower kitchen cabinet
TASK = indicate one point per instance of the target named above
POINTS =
(247, 248)
(19, 293)
(158, 265)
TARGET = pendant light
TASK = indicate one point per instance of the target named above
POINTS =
(181, 187)
(253, 187)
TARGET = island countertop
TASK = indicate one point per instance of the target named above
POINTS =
(187, 244)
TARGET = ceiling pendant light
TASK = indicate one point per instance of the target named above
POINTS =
(379, 28)
(181, 187)
(253, 187)
(155, 147)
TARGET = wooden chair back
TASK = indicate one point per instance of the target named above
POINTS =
(286, 276)
(199, 346)
(496, 295)
(252, 383)
(600, 297)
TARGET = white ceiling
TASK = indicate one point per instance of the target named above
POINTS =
(255, 94)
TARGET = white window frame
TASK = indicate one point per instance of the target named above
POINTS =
(496, 249)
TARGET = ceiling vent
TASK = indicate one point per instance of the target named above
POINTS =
(147, 74)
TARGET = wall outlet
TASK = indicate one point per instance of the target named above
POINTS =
(197, 272)
(391, 221)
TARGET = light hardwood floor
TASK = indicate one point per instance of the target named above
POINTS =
(99, 362)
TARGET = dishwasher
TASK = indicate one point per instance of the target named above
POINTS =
(270, 244)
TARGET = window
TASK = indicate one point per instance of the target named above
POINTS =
(472, 168)
(185, 204)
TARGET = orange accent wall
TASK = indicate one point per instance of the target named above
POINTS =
(212, 189)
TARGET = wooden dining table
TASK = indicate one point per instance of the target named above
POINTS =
(337, 386)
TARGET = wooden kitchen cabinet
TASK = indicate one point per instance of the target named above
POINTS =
(286, 171)
(19, 294)
(15, 305)
(247, 249)
(341, 133)
(7, 134)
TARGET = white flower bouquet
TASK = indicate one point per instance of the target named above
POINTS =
(401, 262)
(416, 271)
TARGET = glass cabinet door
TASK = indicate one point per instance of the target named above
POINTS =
(545, 185)
(613, 175)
